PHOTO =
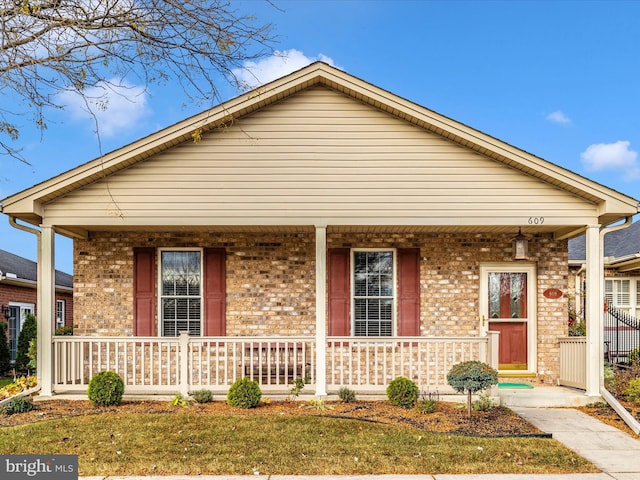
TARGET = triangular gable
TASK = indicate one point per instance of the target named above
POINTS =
(28, 205)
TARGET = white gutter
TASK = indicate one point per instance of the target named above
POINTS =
(606, 395)
(39, 294)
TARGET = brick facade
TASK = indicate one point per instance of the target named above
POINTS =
(271, 281)
(17, 294)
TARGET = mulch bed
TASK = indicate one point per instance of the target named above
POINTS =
(608, 415)
(449, 417)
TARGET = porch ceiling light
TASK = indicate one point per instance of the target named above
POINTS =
(520, 246)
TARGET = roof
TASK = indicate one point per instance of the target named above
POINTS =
(19, 269)
(619, 245)
(28, 205)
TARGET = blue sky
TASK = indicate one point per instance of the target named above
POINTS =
(558, 79)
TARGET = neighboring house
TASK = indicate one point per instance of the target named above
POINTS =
(621, 287)
(317, 225)
(18, 293)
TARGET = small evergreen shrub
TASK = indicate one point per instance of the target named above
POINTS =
(402, 392)
(106, 388)
(633, 390)
(483, 403)
(5, 355)
(202, 396)
(29, 332)
(244, 393)
(346, 394)
(634, 356)
(18, 405)
(471, 377)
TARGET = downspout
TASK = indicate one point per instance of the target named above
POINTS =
(37, 233)
(606, 395)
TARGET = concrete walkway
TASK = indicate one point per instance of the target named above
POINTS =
(611, 450)
(616, 453)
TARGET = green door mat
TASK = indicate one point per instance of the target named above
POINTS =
(514, 385)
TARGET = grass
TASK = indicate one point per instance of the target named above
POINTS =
(163, 444)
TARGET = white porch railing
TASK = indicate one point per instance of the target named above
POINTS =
(573, 362)
(183, 364)
(370, 364)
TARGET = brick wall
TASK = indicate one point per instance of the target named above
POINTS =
(17, 294)
(271, 281)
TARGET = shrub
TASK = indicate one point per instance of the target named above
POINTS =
(18, 405)
(609, 374)
(202, 396)
(298, 385)
(471, 377)
(5, 355)
(66, 330)
(179, 401)
(402, 392)
(244, 393)
(106, 388)
(483, 403)
(633, 390)
(428, 402)
(634, 356)
(346, 394)
(29, 332)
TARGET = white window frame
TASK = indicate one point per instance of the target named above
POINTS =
(613, 293)
(353, 296)
(23, 310)
(60, 313)
(532, 313)
(159, 287)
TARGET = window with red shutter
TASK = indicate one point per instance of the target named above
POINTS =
(144, 292)
(191, 295)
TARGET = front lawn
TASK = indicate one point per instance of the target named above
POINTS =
(194, 440)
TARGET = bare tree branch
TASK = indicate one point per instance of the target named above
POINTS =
(52, 46)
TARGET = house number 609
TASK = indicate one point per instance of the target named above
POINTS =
(536, 220)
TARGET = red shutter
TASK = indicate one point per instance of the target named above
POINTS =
(144, 292)
(339, 291)
(215, 292)
(408, 292)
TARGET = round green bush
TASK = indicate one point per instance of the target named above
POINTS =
(106, 388)
(402, 392)
(633, 390)
(244, 393)
(634, 356)
(202, 396)
(472, 376)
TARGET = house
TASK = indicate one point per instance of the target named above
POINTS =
(621, 261)
(318, 225)
(18, 296)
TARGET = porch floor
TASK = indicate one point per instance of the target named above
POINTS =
(544, 396)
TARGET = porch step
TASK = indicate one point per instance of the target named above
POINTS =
(544, 396)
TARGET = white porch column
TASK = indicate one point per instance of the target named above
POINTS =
(594, 310)
(46, 309)
(321, 311)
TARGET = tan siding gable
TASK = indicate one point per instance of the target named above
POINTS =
(319, 157)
